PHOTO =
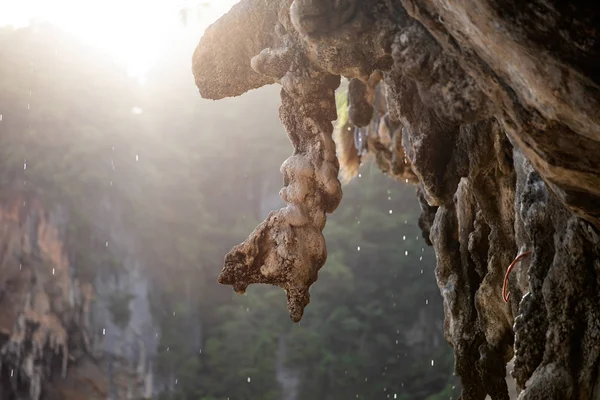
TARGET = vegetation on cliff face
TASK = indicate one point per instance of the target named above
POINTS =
(180, 180)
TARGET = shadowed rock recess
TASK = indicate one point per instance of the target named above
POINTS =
(496, 104)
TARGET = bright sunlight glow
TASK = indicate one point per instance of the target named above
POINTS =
(134, 32)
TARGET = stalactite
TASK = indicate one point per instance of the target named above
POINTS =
(288, 248)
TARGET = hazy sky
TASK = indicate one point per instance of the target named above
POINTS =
(133, 31)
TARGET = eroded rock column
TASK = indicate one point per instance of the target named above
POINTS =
(288, 248)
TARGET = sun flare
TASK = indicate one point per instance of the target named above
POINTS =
(134, 32)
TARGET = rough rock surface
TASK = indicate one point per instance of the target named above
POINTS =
(57, 340)
(498, 105)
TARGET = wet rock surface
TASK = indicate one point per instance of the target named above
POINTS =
(497, 106)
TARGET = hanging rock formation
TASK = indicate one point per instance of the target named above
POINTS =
(497, 105)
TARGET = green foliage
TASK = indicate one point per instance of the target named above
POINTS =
(118, 307)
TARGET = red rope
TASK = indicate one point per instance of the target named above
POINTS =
(505, 293)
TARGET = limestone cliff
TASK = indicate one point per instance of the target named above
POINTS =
(58, 338)
(497, 105)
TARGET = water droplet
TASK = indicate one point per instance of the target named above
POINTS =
(0, 117)
(103, 331)
(432, 363)
(426, 301)
(176, 381)
(25, 165)
(168, 348)
(395, 396)
(390, 211)
(406, 180)
(406, 252)
(358, 248)
(421, 271)
(389, 197)
(28, 106)
(249, 379)
(359, 175)
(137, 157)
(421, 258)
(403, 237)
(106, 244)
(52, 271)
(12, 372)
(173, 313)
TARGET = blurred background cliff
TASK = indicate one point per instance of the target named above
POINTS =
(120, 192)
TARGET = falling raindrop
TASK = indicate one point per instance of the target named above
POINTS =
(249, 379)
(421, 271)
(406, 180)
(25, 164)
(173, 313)
(168, 348)
(106, 244)
(103, 331)
(421, 258)
(176, 380)
(432, 363)
(137, 157)
(390, 211)
(358, 248)
(359, 175)
(0, 117)
(426, 301)
(406, 252)
(52, 271)
(403, 237)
